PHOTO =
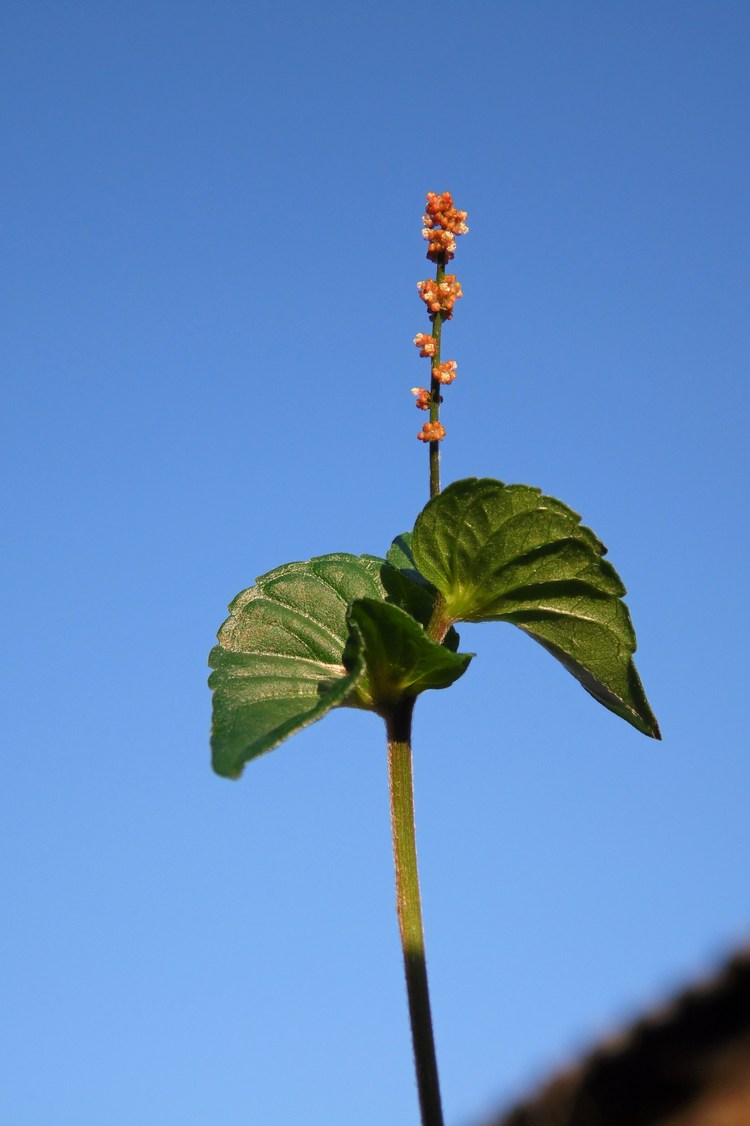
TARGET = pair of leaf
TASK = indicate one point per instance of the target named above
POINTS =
(308, 637)
(350, 630)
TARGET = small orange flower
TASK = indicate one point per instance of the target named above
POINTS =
(423, 398)
(431, 432)
(427, 344)
(445, 373)
(440, 297)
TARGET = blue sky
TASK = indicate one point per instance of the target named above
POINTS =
(211, 246)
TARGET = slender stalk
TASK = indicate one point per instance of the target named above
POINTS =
(435, 397)
(410, 910)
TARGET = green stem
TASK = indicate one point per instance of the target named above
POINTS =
(410, 911)
(435, 386)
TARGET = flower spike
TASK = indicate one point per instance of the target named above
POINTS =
(442, 223)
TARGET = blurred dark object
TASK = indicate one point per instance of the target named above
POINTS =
(685, 1065)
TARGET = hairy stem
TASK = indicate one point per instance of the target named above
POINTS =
(439, 622)
(410, 911)
(435, 385)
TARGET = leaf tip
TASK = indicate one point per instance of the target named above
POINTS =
(232, 773)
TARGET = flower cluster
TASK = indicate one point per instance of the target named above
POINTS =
(440, 297)
(431, 432)
(445, 373)
(442, 222)
(423, 398)
(426, 344)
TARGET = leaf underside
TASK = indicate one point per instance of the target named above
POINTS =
(508, 553)
(287, 655)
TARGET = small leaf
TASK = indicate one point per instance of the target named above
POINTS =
(279, 662)
(400, 659)
(508, 553)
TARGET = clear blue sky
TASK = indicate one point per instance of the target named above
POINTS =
(211, 244)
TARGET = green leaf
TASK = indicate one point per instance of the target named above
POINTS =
(407, 588)
(508, 553)
(279, 662)
(400, 659)
(401, 556)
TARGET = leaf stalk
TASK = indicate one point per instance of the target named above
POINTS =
(439, 622)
